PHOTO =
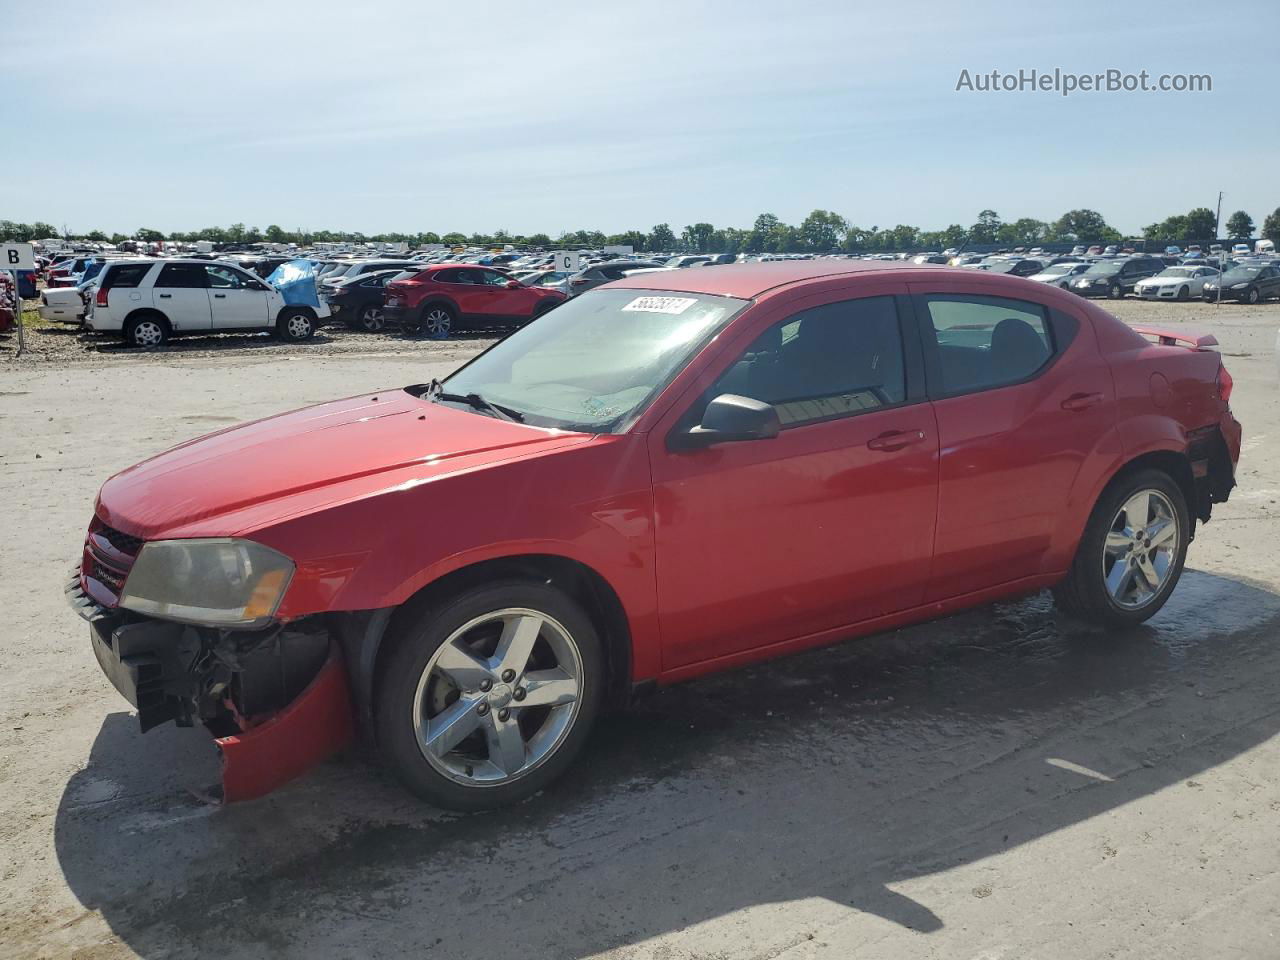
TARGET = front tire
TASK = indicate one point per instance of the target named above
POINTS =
(1132, 552)
(486, 698)
(296, 325)
(1184, 293)
(1252, 296)
(1116, 291)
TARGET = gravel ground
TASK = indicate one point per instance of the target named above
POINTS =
(1000, 784)
(61, 344)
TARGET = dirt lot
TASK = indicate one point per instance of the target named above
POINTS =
(1004, 784)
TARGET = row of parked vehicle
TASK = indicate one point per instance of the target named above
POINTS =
(148, 300)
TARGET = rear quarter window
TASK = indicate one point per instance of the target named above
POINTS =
(127, 275)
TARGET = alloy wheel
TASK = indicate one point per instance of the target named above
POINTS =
(498, 697)
(437, 323)
(1141, 549)
(372, 319)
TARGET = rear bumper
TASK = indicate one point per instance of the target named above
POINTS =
(276, 703)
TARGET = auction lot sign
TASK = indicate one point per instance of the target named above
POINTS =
(17, 256)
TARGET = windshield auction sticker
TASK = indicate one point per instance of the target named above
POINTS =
(672, 305)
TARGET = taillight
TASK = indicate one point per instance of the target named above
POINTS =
(1225, 384)
(101, 299)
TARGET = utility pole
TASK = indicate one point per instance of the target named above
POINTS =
(1217, 218)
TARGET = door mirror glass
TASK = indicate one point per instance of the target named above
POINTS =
(729, 418)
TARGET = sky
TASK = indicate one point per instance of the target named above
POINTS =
(559, 116)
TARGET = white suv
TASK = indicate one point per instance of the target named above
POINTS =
(150, 300)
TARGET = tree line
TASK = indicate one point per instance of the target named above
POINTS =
(822, 231)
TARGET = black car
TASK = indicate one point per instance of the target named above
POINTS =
(1246, 284)
(1015, 267)
(1115, 278)
(357, 301)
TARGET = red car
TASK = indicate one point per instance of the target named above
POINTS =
(644, 486)
(448, 296)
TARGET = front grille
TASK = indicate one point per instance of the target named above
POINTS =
(109, 554)
(109, 577)
(123, 542)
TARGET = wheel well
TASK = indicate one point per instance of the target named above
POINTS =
(294, 307)
(1178, 467)
(439, 302)
(145, 312)
(579, 581)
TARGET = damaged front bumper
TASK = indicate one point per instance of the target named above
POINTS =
(276, 701)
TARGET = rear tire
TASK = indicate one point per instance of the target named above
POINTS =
(371, 318)
(147, 330)
(447, 705)
(1127, 562)
(437, 321)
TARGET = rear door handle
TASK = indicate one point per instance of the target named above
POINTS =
(165, 296)
(1081, 401)
(895, 440)
(220, 296)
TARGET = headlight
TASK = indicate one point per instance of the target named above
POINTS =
(1238, 286)
(223, 582)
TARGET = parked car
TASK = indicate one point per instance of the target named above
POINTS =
(149, 301)
(596, 505)
(357, 301)
(1175, 283)
(686, 260)
(446, 297)
(1115, 278)
(66, 304)
(1059, 274)
(1014, 266)
(361, 267)
(1241, 249)
(592, 277)
(1248, 284)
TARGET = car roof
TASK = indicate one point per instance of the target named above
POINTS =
(749, 280)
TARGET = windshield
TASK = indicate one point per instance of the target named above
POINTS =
(1240, 274)
(594, 362)
(1103, 269)
(1176, 272)
(1058, 269)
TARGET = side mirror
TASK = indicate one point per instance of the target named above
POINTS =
(257, 285)
(513, 284)
(729, 418)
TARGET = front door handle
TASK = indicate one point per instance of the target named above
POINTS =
(1081, 401)
(165, 296)
(895, 440)
(220, 296)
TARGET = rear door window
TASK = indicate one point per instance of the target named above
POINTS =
(183, 275)
(976, 343)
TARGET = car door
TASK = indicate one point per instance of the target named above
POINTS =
(237, 301)
(1269, 282)
(181, 293)
(826, 525)
(501, 301)
(1022, 399)
(467, 286)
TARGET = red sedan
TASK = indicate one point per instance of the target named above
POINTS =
(643, 486)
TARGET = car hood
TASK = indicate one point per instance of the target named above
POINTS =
(229, 482)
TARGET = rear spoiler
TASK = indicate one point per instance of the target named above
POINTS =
(1169, 338)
